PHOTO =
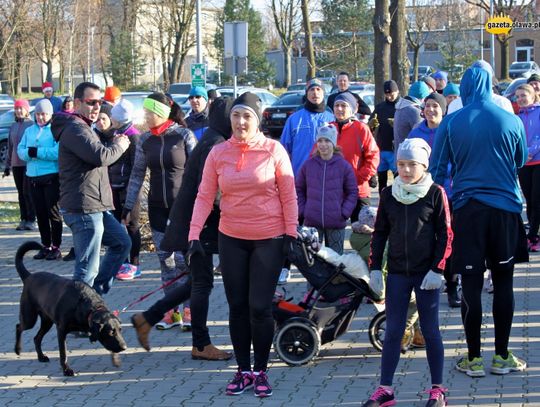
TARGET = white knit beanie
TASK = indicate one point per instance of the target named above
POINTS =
(122, 111)
(414, 149)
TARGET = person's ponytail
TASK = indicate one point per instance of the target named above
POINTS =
(176, 114)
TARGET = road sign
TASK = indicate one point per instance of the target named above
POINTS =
(198, 75)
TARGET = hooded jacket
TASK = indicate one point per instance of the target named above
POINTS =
(531, 120)
(46, 161)
(298, 136)
(327, 192)
(258, 199)
(360, 151)
(14, 137)
(406, 117)
(165, 155)
(82, 165)
(176, 234)
(485, 145)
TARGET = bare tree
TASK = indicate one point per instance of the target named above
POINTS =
(398, 54)
(421, 21)
(513, 8)
(309, 41)
(287, 23)
(381, 53)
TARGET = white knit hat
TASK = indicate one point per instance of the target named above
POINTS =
(122, 111)
(329, 132)
(414, 149)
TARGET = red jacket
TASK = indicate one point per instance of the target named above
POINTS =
(360, 150)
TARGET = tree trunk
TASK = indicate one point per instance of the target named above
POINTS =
(49, 77)
(505, 57)
(381, 52)
(416, 51)
(288, 66)
(399, 60)
(309, 41)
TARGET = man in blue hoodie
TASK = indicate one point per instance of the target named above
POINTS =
(486, 146)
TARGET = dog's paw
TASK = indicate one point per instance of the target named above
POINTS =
(69, 372)
(18, 350)
(43, 358)
(115, 357)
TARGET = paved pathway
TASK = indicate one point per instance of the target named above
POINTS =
(344, 375)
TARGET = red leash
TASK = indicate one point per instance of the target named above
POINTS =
(145, 296)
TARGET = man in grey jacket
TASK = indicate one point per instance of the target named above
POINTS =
(85, 195)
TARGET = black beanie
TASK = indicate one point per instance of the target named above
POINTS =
(533, 77)
(106, 108)
(249, 101)
(440, 99)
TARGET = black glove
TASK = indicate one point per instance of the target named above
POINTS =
(32, 152)
(7, 172)
(373, 182)
(195, 248)
(288, 245)
(126, 215)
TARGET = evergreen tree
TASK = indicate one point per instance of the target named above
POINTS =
(126, 61)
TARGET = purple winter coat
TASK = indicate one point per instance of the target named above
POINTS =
(327, 192)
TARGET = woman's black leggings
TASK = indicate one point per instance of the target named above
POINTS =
(250, 270)
(26, 205)
(45, 196)
(503, 309)
(529, 179)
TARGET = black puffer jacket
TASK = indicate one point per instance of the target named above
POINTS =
(385, 135)
(419, 235)
(165, 155)
(82, 165)
(176, 234)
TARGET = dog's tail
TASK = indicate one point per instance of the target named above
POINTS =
(21, 251)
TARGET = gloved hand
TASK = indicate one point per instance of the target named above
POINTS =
(391, 122)
(432, 281)
(126, 216)
(7, 172)
(376, 282)
(288, 245)
(195, 248)
(32, 152)
(373, 182)
(374, 123)
(122, 141)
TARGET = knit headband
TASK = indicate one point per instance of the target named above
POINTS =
(247, 108)
(161, 109)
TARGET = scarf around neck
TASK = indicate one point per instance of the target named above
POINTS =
(312, 107)
(408, 194)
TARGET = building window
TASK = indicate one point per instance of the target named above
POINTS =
(525, 43)
(431, 46)
(486, 44)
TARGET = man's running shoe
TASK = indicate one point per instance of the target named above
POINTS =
(504, 366)
(381, 398)
(262, 386)
(170, 320)
(437, 397)
(472, 368)
(186, 320)
(240, 383)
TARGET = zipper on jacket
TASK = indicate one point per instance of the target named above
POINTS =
(323, 187)
(406, 241)
(163, 171)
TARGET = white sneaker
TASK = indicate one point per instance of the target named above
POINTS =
(284, 276)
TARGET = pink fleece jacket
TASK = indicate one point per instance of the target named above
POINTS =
(256, 182)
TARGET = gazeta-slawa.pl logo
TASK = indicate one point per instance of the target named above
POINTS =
(500, 24)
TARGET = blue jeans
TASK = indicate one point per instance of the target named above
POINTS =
(398, 294)
(89, 231)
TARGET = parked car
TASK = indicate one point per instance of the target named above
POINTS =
(267, 98)
(510, 92)
(523, 69)
(275, 116)
(185, 87)
(6, 102)
(302, 87)
(368, 96)
(423, 70)
(6, 120)
(358, 87)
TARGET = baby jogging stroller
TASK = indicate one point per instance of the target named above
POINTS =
(326, 311)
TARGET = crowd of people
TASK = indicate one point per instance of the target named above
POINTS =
(218, 186)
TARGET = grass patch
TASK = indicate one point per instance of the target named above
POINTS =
(9, 212)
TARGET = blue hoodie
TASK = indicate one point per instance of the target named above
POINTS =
(485, 145)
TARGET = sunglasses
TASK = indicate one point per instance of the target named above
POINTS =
(194, 97)
(93, 102)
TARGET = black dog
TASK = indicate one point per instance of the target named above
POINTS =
(71, 305)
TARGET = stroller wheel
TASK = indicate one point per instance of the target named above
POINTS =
(377, 329)
(297, 343)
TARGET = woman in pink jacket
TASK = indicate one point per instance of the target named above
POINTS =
(253, 177)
